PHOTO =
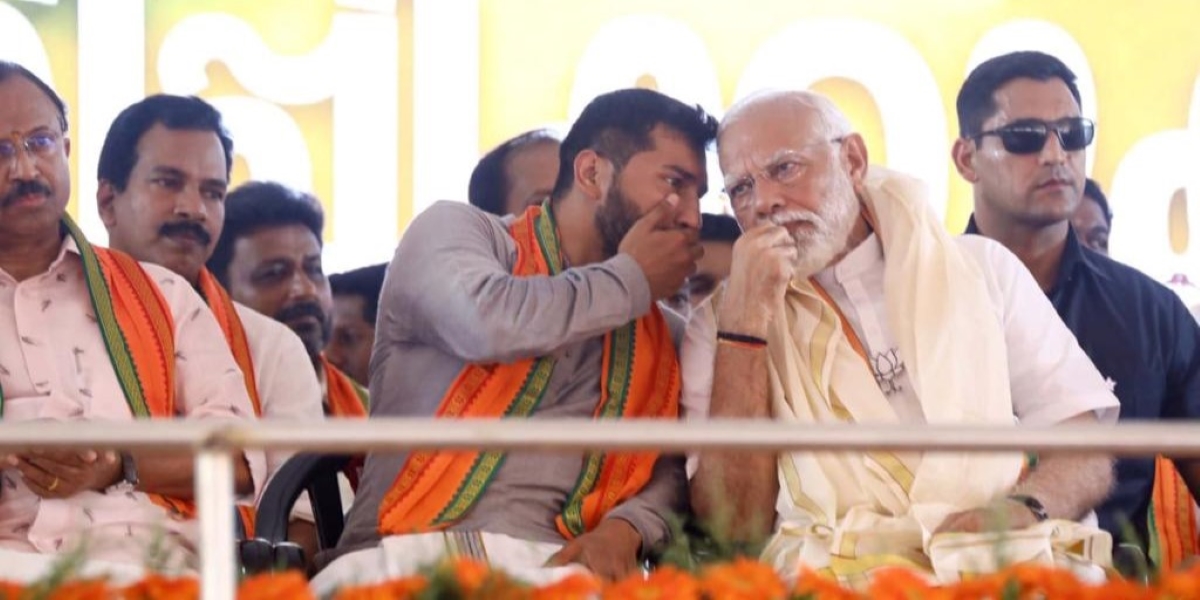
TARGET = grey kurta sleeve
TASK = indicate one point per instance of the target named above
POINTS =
(451, 274)
(665, 496)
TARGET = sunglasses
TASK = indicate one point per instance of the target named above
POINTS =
(1028, 136)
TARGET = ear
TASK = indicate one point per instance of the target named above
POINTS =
(854, 157)
(963, 154)
(593, 174)
(67, 146)
(106, 192)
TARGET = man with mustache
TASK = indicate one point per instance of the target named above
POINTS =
(269, 258)
(70, 314)
(848, 303)
(1022, 147)
(547, 314)
(163, 172)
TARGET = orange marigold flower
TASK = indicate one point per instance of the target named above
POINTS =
(158, 587)
(275, 586)
(1044, 580)
(94, 589)
(10, 590)
(899, 584)
(742, 579)
(498, 586)
(396, 589)
(1180, 584)
(663, 583)
(987, 586)
(469, 573)
(579, 586)
(1119, 589)
(819, 587)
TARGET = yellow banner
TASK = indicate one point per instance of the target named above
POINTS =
(380, 107)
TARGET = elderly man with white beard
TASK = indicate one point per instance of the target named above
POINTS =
(849, 303)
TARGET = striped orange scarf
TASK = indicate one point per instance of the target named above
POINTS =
(1172, 518)
(222, 307)
(640, 379)
(346, 398)
(139, 332)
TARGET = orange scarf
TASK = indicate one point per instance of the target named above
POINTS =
(1172, 517)
(640, 379)
(235, 333)
(346, 398)
(139, 332)
(222, 308)
(143, 322)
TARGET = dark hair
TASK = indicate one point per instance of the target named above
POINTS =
(1092, 190)
(719, 228)
(8, 69)
(366, 283)
(489, 181)
(257, 205)
(617, 125)
(189, 113)
(976, 99)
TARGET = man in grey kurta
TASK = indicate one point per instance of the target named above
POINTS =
(626, 206)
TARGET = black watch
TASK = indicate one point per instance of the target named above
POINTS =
(1034, 505)
(129, 472)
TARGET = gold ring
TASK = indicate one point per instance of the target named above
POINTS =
(53, 484)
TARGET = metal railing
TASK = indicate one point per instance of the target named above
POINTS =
(215, 445)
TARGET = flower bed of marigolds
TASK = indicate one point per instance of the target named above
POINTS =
(740, 579)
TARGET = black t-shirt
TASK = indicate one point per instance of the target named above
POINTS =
(1140, 335)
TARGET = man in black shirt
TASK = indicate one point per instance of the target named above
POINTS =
(1021, 145)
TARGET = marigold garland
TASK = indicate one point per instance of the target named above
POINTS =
(741, 579)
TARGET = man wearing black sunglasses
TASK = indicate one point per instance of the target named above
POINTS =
(1021, 145)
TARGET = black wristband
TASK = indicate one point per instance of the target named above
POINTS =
(742, 338)
(1034, 505)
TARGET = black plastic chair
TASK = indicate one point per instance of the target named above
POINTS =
(317, 474)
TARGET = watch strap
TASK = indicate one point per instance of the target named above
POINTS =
(129, 472)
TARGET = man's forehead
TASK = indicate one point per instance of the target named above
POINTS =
(767, 132)
(25, 106)
(282, 242)
(1025, 98)
(197, 153)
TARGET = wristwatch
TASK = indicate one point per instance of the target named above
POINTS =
(1034, 505)
(129, 472)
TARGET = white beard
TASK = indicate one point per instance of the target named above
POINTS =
(829, 229)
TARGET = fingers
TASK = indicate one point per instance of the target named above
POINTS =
(772, 235)
(563, 557)
(962, 522)
(56, 469)
(753, 244)
(672, 201)
(652, 219)
(74, 458)
(615, 570)
(42, 482)
(63, 474)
